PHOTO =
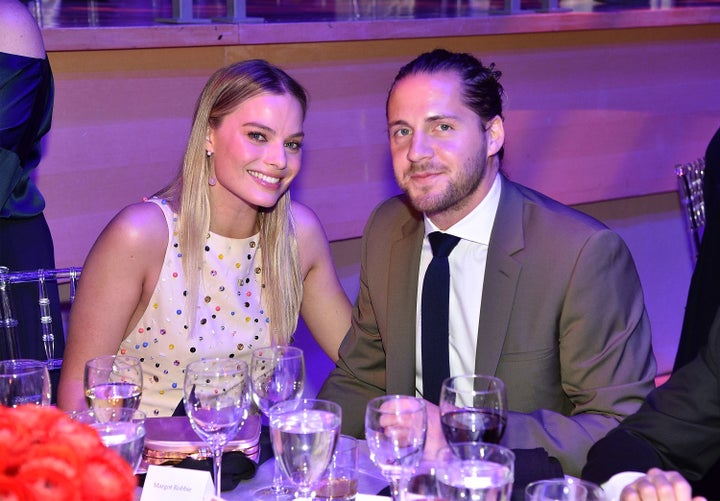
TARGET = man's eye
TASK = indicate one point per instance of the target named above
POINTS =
(444, 127)
(402, 132)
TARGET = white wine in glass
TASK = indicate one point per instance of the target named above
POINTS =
(113, 382)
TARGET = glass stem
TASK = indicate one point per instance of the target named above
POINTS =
(217, 467)
(277, 486)
(396, 489)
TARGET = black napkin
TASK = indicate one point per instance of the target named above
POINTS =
(236, 467)
(532, 465)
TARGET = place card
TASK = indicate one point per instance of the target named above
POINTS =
(179, 484)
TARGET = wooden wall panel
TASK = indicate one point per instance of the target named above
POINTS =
(591, 115)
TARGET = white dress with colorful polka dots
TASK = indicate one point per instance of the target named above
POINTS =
(229, 320)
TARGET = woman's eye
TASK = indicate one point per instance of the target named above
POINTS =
(293, 145)
(257, 136)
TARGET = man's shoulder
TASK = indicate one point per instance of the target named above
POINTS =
(541, 206)
(393, 213)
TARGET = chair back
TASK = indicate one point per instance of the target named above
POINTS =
(9, 345)
(690, 187)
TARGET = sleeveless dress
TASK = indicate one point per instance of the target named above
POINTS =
(229, 318)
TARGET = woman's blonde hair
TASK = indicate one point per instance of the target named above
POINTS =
(188, 195)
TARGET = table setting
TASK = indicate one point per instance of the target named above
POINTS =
(299, 451)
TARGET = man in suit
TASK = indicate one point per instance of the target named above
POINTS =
(543, 297)
(677, 428)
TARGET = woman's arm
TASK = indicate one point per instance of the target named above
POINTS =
(117, 281)
(325, 307)
(19, 33)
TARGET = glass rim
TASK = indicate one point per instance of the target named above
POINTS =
(286, 406)
(101, 361)
(375, 404)
(221, 365)
(474, 377)
(450, 448)
(24, 365)
(289, 351)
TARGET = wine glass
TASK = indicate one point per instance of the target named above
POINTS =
(475, 470)
(113, 382)
(303, 434)
(395, 430)
(124, 432)
(24, 381)
(473, 408)
(217, 402)
(564, 489)
(278, 375)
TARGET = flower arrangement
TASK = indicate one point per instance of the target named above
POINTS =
(45, 455)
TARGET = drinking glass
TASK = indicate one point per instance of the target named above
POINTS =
(340, 480)
(303, 434)
(24, 381)
(475, 470)
(564, 489)
(122, 430)
(113, 382)
(217, 401)
(395, 430)
(473, 408)
(278, 375)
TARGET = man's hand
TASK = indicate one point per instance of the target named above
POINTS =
(658, 485)
(435, 439)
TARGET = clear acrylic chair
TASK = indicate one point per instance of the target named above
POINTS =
(690, 186)
(9, 345)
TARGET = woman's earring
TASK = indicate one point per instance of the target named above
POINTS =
(212, 181)
(208, 153)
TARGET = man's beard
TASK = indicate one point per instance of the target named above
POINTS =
(456, 194)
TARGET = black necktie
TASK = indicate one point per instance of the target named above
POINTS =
(435, 316)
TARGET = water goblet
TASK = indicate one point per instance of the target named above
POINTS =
(122, 430)
(216, 398)
(303, 434)
(395, 430)
(278, 375)
(564, 489)
(475, 470)
(24, 381)
(473, 408)
(113, 382)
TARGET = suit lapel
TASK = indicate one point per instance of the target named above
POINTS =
(402, 306)
(502, 272)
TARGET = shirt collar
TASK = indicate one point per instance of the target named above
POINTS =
(477, 225)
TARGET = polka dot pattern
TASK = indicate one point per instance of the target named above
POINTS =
(229, 319)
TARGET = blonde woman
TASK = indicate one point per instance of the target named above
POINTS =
(220, 261)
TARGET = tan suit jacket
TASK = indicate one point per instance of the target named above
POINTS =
(562, 322)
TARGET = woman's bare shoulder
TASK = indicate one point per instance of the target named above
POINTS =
(140, 225)
(19, 32)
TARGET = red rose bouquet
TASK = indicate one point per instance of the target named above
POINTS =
(45, 455)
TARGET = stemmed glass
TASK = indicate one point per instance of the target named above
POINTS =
(395, 430)
(278, 375)
(303, 434)
(113, 382)
(217, 401)
(473, 408)
(24, 381)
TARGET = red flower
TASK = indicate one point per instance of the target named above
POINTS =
(46, 455)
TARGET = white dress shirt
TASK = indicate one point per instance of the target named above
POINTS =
(467, 272)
